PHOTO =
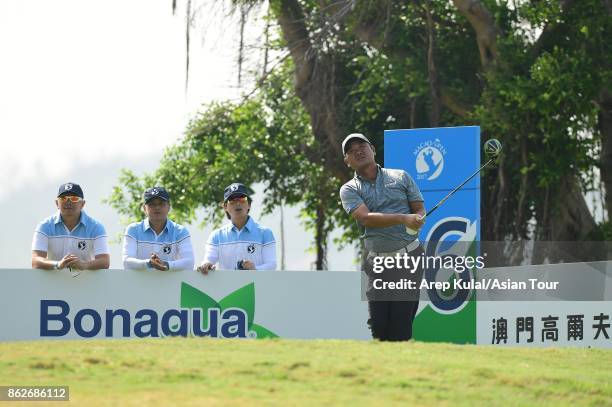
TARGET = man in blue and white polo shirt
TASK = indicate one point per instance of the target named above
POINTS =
(70, 238)
(242, 244)
(157, 242)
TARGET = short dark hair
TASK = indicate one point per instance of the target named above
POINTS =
(227, 215)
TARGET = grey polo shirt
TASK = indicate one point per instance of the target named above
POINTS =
(391, 192)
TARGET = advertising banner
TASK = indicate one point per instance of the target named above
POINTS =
(545, 324)
(439, 159)
(38, 304)
(546, 305)
(524, 306)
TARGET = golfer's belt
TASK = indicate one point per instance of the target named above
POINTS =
(406, 249)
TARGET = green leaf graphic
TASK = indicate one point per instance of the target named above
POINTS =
(191, 297)
(241, 298)
(262, 332)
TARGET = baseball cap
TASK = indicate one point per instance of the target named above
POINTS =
(156, 192)
(352, 136)
(235, 189)
(70, 188)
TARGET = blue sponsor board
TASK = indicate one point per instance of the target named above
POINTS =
(439, 159)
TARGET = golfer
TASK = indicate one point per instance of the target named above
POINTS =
(384, 202)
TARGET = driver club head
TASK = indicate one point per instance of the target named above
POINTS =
(492, 148)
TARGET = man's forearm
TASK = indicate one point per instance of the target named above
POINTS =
(181, 264)
(382, 220)
(43, 263)
(97, 263)
(418, 207)
(132, 263)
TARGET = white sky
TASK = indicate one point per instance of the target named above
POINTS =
(108, 76)
(89, 87)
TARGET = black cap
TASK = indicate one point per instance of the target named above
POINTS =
(70, 188)
(235, 189)
(156, 192)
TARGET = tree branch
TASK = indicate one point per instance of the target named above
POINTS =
(486, 30)
(314, 85)
(550, 32)
(295, 33)
(451, 104)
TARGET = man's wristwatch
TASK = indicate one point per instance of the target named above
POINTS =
(56, 265)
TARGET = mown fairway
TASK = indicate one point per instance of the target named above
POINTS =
(245, 372)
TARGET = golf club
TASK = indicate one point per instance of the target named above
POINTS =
(492, 148)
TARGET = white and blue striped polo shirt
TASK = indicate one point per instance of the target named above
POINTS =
(228, 245)
(173, 245)
(87, 240)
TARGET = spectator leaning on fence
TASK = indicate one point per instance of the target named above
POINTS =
(70, 238)
(242, 244)
(157, 242)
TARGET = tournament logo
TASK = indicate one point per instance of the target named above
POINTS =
(234, 187)
(429, 160)
(167, 249)
(251, 248)
(155, 191)
(68, 187)
(452, 236)
(82, 245)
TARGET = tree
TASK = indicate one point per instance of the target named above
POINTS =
(535, 92)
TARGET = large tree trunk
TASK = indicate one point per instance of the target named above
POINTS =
(572, 219)
(569, 221)
(315, 86)
(605, 126)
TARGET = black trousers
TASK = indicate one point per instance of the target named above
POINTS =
(391, 320)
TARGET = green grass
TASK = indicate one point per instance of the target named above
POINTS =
(244, 372)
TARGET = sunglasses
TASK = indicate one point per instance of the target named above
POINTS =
(242, 199)
(71, 198)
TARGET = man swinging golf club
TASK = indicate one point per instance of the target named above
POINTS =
(385, 203)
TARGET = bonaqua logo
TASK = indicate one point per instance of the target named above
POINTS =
(198, 315)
